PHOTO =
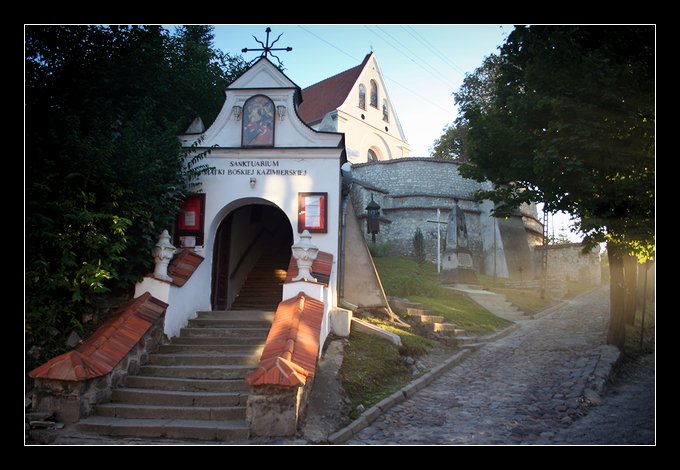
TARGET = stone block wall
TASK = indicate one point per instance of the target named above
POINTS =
(409, 192)
(567, 262)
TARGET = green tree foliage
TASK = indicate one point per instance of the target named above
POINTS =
(570, 122)
(104, 168)
(419, 246)
(452, 144)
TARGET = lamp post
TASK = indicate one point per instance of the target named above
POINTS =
(372, 218)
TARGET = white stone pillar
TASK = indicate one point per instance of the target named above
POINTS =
(304, 253)
(162, 254)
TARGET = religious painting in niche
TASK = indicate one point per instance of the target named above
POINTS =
(312, 214)
(258, 122)
(362, 96)
(386, 114)
(374, 94)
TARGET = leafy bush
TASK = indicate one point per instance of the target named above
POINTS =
(105, 172)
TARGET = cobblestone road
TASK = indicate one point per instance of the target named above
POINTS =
(526, 388)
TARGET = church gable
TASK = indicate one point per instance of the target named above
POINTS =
(369, 101)
(262, 74)
(329, 94)
(260, 111)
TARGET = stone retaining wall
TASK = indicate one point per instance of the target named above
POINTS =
(73, 400)
(409, 192)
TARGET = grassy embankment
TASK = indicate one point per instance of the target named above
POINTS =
(372, 368)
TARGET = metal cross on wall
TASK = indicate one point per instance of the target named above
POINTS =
(268, 48)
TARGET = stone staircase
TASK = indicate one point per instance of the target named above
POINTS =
(425, 319)
(263, 287)
(494, 303)
(192, 388)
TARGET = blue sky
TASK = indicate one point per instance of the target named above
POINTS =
(422, 65)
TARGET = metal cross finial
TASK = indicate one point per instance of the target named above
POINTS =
(268, 48)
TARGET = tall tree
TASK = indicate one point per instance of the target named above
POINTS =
(104, 168)
(570, 122)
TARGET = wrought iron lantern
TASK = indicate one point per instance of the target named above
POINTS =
(372, 218)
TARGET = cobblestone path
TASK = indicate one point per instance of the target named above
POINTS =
(523, 389)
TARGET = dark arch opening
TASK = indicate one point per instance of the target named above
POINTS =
(250, 258)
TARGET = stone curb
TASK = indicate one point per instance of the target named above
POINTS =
(371, 414)
(609, 357)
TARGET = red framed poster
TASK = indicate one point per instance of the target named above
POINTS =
(312, 212)
(191, 220)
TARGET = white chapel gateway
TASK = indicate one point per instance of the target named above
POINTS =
(271, 177)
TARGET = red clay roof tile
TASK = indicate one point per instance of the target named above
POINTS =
(183, 265)
(107, 346)
(321, 268)
(292, 346)
(328, 94)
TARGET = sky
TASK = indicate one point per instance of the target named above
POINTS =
(422, 66)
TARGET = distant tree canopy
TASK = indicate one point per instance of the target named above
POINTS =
(104, 168)
(452, 145)
(566, 117)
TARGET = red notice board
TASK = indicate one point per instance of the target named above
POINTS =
(312, 212)
(192, 218)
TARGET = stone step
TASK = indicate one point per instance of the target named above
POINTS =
(203, 359)
(198, 372)
(144, 396)
(189, 385)
(248, 305)
(429, 319)
(401, 306)
(137, 411)
(221, 341)
(416, 311)
(212, 349)
(464, 340)
(228, 323)
(240, 315)
(224, 332)
(168, 428)
(449, 328)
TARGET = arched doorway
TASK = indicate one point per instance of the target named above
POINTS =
(250, 258)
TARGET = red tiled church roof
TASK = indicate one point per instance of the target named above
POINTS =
(328, 94)
(107, 346)
(321, 268)
(289, 355)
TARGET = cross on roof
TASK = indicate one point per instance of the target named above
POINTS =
(268, 48)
